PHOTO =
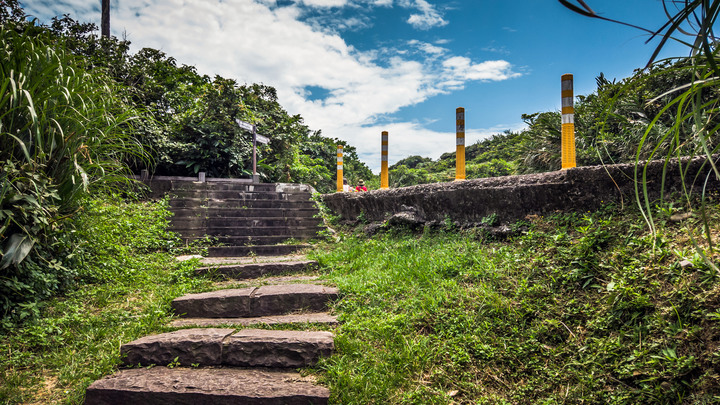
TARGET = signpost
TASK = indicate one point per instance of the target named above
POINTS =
(256, 138)
(262, 139)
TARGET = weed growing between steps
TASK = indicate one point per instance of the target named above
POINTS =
(127, 278)
(580, 308)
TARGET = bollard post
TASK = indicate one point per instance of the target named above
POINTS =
(460, 144)
(201, 177)
(568, 122)
(339, 168)
(384, 160)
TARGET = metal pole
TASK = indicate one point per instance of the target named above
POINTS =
(339, 168)
(568, 122)
(105, 24)
(256, 178)
(460, 144)
(384, 160)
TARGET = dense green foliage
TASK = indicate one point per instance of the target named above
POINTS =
(63, 131)
(189, 124)
(579, 308)
(79, 113)
(125, 255)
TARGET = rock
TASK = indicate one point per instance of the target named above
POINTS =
(406, 219)
(276, 348)
(681, 216)
(189, 346)
(373, 228)
(205, 386)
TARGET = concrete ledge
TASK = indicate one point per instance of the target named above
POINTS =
(514, 197)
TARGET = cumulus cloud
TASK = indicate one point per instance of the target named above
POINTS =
(428, 17)
(427, 47)
(257, 41)
(325, 3)
(463, 68)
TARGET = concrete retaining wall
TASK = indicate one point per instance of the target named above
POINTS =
(514, 197)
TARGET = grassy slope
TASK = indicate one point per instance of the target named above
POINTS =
(132, 279)
(578, 309)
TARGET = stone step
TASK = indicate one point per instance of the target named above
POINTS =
(251, 242)
(312, 317)
(299, 213)
(238, 204)
(217, 223)
(280, 233)
(222, 186)
(205, 386)
(237, 194)
(255, 270)
(224, 347)
(255, 301)
(259, 250)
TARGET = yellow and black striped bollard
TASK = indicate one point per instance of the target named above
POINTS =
(384, 161)
(568, 122)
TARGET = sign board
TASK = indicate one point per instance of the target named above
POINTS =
(262, 139)
(245, 125)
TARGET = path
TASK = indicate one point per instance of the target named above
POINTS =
(215, 358)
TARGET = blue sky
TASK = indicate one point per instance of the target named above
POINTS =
(354, 68)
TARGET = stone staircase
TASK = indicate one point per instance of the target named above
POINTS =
(227, 363)
(246, 218)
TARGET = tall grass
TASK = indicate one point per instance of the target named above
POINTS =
(687, 119)
(63, 131)
(577, 309)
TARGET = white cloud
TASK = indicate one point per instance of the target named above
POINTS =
(325, 3)
(428, 18)
(462, 68)
(256, 42)
(427, 48)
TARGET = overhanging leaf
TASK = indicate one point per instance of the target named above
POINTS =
(16, 249)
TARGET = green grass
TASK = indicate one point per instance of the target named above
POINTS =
(127, 278)
(578, 309)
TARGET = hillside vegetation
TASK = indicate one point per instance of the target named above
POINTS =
(79, 113)
(577, 308)
(634, 119)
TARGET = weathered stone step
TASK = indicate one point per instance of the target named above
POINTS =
(199, 222)
(260, 250)
(204, 386)
(224, 347)
(255, 270)
(251, 241)
(246, 195)
(299, 213)
(213, 184)
(312, 317)
(273, 231)
(225, 185)
(255, 301)
(239, 204)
